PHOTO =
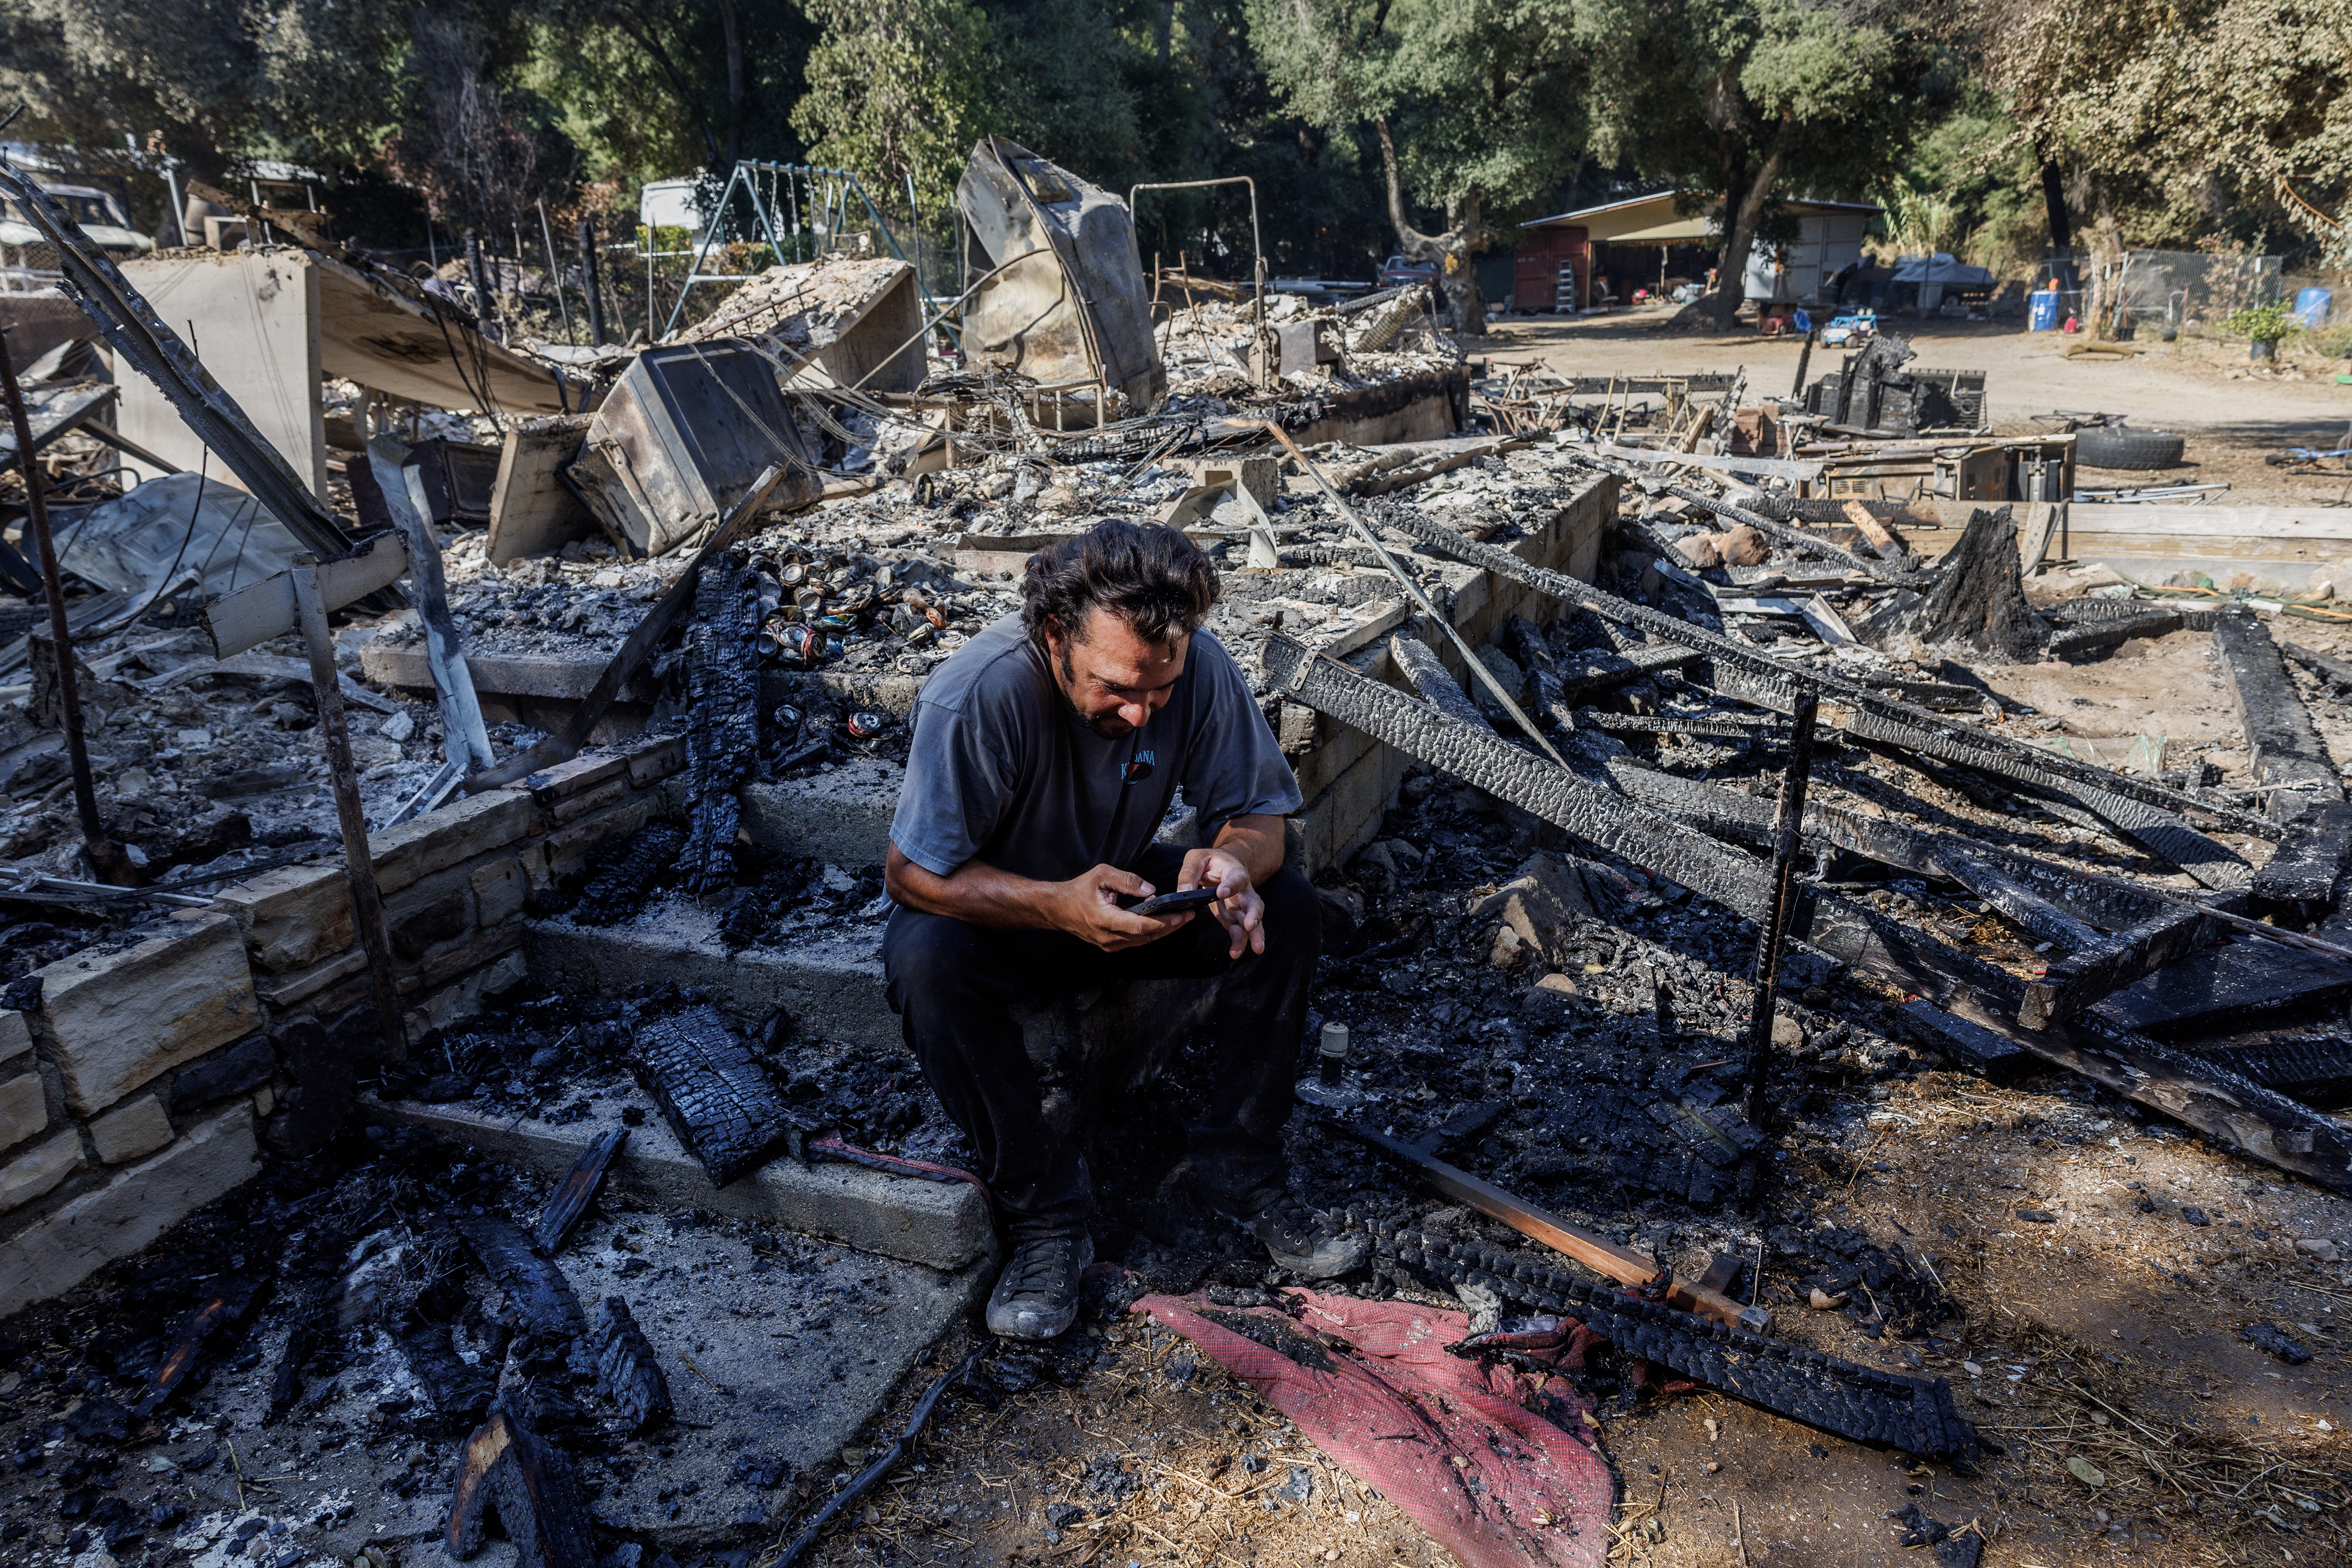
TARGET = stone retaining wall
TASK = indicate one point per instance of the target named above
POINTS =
(148, 1080)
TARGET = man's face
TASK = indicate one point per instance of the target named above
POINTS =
(1116, 680)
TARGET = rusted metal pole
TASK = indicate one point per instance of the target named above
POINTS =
(106, 856)
(358, 868)
(1787, 839)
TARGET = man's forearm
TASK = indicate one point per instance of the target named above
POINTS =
(976, 893)
(1259, 843)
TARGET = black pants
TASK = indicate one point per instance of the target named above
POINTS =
(952, 984)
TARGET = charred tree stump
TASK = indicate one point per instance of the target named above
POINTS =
(1978, 598)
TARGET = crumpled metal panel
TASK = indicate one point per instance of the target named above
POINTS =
(681, 438)
(1073, 304)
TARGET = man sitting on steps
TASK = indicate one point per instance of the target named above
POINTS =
(1045, 752)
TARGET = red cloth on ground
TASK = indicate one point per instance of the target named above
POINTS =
(1452, 1443)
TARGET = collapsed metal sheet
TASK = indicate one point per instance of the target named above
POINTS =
(179, 521)
(1070, 305)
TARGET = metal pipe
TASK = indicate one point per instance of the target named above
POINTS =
(105, 855)
(596, 290)
(555, 277)
(358, 866)
(1787, 839)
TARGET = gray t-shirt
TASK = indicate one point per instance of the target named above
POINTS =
(1004, 771)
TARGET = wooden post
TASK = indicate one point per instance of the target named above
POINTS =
(1787, 837)
(106, 856)
(359, 868)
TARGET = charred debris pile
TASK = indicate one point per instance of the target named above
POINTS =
(1601, 964)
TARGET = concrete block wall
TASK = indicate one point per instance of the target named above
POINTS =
(143, 1083)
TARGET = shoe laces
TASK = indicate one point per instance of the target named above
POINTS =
(1038, 1268)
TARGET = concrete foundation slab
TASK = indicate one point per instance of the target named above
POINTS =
(940, 1225)
(842, 817)
(831, 983)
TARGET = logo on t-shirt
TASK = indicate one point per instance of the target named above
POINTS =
(1139, 767)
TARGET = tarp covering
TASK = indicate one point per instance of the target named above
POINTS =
(1454, 1441)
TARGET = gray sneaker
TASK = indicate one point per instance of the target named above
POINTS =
(1299, 1241)
(1036, 1297)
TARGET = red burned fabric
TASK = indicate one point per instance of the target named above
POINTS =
(1452, 1443)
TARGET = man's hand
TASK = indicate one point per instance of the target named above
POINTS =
(1238, 909)
(1088, 908)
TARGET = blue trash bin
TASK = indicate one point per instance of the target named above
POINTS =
(2311, 305)
(2041, 311)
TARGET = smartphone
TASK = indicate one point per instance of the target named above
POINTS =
(1175, 903)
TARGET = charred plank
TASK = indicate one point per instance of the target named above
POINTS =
(1898, 723)
(2093, 636)
(2106, 964)
(572, 1197)
(460, 1392)
(627, 1371)
(2334, 672)
(1429, 678)
(2228, 986)
(2310, 858)
(536, 1287)
(714, 1093)
(2317, 1072)
(2286, 750)
(1972, 1045)
(222, 1312)
(1888, 1410)
(620, 889)
(723, 737)
(2223, 1104)
(507, 1469)
(1478, 756)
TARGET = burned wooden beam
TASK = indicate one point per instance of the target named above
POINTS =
(2310, 858)
(1845, 701)
(2229, 987)
(2317, 1072)
(2334, 672)
(2023, 905)
(1712, 726)
(460, 1391)
(572, 1197)
(231, 1302)
(2286, 751)
(1914, 1415)
(626, 1370)
(1478, 756)
(2243, 1113)
(2106, 966)
(1972, 1045)
(1591, 670)
(714, 1091)
(618, 890)
(1429, 678)
(507, 1469)
(2097, 635)
(2209, 1098)
(536, 1289)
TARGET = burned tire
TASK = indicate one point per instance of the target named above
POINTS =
(2112, 447)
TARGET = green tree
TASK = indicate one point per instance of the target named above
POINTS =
(1734, 102)
(1476, 107)
(2189, 120)
(897, 89)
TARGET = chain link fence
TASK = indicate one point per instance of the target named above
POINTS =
(2184, 288)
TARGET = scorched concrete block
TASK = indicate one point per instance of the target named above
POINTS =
(23, 1109)
(15, 1038)
(830, 982)
(842, 818)
(37, 1171)
(129, 1131)
(142, 1203)
(440, 839)
(940, 1225)
(120, 1018)
(293, 916)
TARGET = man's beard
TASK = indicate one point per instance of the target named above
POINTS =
(1109, 726)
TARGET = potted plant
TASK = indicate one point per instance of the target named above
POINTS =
(2264, 325)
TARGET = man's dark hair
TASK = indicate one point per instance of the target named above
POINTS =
(1152, 577)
